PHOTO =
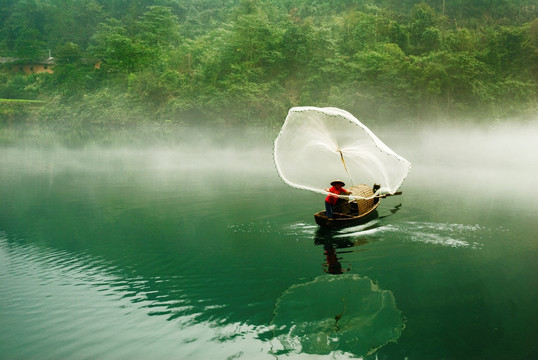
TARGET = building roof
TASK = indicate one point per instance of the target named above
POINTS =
(7, 60)
(12, 60)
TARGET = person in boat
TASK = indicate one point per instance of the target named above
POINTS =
(337, 187)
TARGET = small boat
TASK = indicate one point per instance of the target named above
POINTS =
(317, 144)
(352, 212)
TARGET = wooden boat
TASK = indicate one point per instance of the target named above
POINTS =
(351, 213)
(344, 220)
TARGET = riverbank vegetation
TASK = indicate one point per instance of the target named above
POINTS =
(125, 63)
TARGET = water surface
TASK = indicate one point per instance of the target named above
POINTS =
(202, 252)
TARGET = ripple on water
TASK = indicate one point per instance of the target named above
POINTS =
(63, 305)
(440, 234)
(443, 234)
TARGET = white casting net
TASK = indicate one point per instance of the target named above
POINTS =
(318, 145)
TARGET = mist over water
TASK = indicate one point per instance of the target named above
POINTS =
(196, 249)
(486, 156)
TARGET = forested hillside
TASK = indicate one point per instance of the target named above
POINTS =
(121, 62)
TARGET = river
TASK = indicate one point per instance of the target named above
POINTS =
(201, 252)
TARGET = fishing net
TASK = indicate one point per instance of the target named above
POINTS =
(345, 313)
(318, 145)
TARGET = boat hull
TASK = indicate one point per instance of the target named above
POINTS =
(342, 220)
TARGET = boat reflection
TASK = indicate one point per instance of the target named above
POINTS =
(338, 242)
(332, 264)
(334, 247)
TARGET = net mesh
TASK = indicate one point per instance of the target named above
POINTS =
(318, 145)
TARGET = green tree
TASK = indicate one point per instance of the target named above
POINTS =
(159, 28)
(68, 53)
(296, 46)
(24, 29)
(398, 34)
(424, 35)
(73, 21)
(118, 51)
(358, 31)
(532, 48)
(506, 50)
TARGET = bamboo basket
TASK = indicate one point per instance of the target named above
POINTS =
(364, 191)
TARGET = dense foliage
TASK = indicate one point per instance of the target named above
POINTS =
(248, 61)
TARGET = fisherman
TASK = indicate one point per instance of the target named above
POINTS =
(331, 200)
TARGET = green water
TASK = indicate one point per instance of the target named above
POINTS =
(172, 253)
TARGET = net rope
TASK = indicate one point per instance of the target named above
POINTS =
(318, 145)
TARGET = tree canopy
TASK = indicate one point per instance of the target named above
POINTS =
(248, 61)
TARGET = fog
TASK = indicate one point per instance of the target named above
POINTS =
(469, 156)
(193, 149)
(475, 157)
